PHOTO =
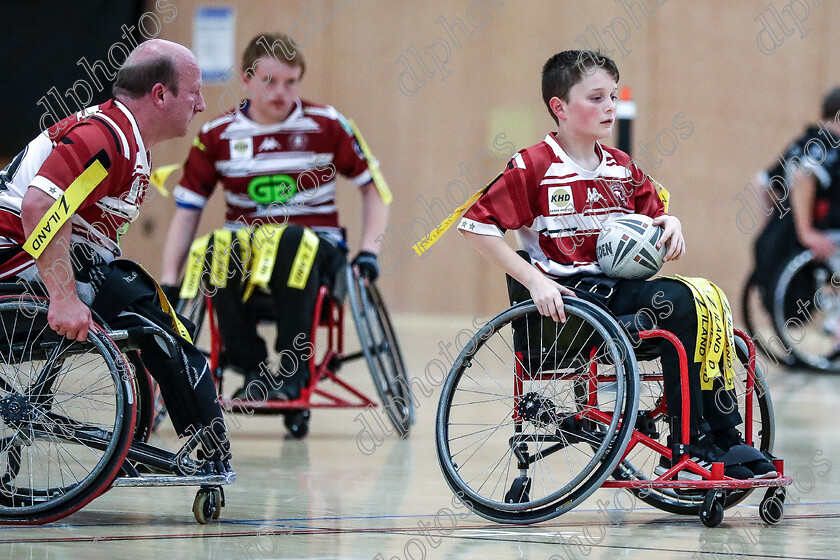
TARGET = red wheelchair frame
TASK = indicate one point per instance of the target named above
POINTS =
(545, 420)
(380, 349)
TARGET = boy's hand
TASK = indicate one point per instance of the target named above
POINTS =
(547, 295)
(672, 235)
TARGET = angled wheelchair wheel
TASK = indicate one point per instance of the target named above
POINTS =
(529, 422)
(381, 350)
(806, 311)
(67, 413)
(761, 327)
(641, 461)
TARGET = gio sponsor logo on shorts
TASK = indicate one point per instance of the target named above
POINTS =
(560, 200)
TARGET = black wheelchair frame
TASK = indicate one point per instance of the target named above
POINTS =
(75, 419)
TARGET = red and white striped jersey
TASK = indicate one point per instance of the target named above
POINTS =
(558, 208)
(269, 172)
(57, 156)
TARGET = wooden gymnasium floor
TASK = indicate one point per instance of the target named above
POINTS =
(323, 498)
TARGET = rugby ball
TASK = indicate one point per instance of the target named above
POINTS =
(626, 248)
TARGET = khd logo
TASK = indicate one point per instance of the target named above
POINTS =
(560, 200)
(272, 188)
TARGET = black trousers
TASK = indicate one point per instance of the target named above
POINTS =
(126, 297)
(665, 304)
(292, 309)
(670, 304)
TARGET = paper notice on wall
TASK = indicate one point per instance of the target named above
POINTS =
(213, 41)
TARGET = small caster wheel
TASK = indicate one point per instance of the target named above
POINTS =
(518, 493)
(772, 507)
(206, 505)
(219, 497)
(297, 422)
(711, 512)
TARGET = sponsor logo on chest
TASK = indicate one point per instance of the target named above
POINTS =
(560, 201)
(241, 148)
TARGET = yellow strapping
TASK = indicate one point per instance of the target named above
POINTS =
(373, 166)
(663, 193)
(221, 257)
(177, 325)
(195, 266)
(426, 243)
(263, 255)
(159, 176)
(244, 237)
(305, 256)
(712, 337)
(63, 208)
(729, 347)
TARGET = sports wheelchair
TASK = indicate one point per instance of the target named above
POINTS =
(325, 389)
(535, 416)
(75, 418)
(795, 320)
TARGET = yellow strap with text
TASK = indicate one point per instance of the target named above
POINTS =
(304, 258)
(222, 239)
(713, 328)
(426, 243)
(195, 266)
(263, 255)
(63, 208)
(373, 166)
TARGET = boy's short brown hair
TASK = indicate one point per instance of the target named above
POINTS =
(268, 45)
(565, 69)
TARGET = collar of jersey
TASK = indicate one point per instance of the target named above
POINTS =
(296, 113)
(567, 160)
(143, 162)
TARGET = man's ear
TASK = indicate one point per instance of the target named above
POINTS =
(558, 107)
(158, 91)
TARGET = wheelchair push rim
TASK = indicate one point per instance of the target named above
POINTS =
(811, 331)
(67, 413)
(557, 405)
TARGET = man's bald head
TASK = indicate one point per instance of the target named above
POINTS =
(152, 62)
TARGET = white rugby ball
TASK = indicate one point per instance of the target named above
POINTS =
(626, 248)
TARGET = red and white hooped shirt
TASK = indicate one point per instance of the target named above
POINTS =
(56, 157)
(558, 208)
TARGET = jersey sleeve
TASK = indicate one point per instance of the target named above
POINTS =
(79, 149)
(507, 202)
(200, 176)
(348, 157)
(646, 200)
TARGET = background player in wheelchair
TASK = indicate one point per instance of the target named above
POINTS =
(277, 157)
(796, 259)
(558, 196)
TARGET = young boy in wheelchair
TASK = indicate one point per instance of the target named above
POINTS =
(277, 157)
(557, 195)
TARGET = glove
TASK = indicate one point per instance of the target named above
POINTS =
(365, 261)
(172, 294)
